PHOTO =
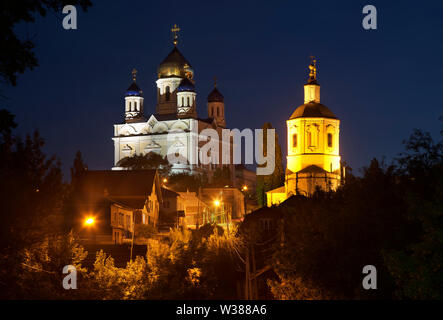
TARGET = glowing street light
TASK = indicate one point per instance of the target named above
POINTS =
(245, 188)
(89, 221)
(217, 203)
(165, 180)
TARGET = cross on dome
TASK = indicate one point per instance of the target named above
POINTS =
(175, 29)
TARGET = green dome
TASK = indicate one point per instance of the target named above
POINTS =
(313, 110)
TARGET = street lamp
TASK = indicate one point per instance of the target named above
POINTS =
(245, 188)
(89, 221)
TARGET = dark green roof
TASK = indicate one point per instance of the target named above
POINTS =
(313, 110)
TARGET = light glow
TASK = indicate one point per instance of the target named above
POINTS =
(89, 221)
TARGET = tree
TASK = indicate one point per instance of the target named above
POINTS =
(277, 178)
(184, 181)
(17, 55)
(7, 123)
(352, 227)
(147, 161)
(417, 267)
(32, 194)
(78, 167)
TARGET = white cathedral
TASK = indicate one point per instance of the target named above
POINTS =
(175, 116)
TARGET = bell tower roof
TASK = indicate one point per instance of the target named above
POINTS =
(134, 89)
(313, 110)
(186, 85)
(215, 95)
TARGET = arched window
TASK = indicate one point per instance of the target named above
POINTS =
(183, 101)
(168, 93)
(312, 136)
(330, 140)
(135, 106)
(187, 101)
(130, 106)
(294, 140)
(217, 112)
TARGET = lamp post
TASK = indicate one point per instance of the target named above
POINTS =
(216, 204)
(244, 189)
(89, 223)
(223, 212)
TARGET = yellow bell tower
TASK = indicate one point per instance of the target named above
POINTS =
(313, 159)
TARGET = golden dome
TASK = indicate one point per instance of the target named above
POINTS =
(175, 65)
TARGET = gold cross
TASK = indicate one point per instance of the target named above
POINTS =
(313, 68)
(174, 30)
(134, 74)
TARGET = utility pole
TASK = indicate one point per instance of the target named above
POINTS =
(133, 231)
(247, 282)
(254, 271)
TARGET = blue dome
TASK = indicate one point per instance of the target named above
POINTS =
(134, 90)
(186, 85)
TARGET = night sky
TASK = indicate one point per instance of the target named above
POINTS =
(381, 84)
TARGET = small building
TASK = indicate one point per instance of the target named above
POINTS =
(194, 209)
(114, 202)
(183, 209)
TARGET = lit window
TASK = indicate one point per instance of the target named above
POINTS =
(294, 140)
(330, 140)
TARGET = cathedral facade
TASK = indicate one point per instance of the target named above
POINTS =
(313, 158)
(174, 127)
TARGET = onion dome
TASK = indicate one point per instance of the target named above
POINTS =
(313, 110)
(186, 86)
(175, 65)
(133, 89)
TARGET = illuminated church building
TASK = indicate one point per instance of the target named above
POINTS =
(171, 128)
(313, 159)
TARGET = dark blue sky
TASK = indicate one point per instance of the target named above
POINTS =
(380, 83)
